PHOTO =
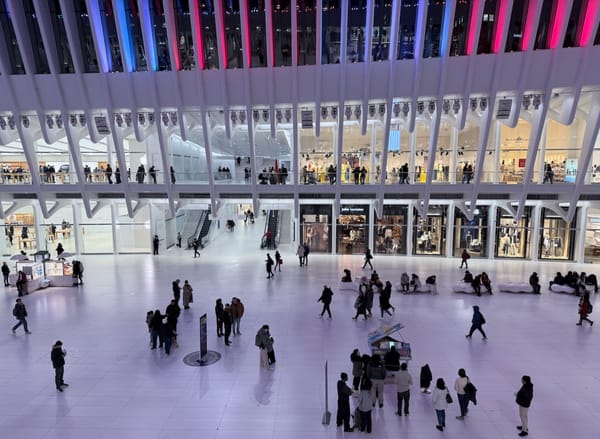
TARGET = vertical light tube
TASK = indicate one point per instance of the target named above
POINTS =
(96, 22)
(472, 26)
(560, 7)
(591, 11)
(500, 23)
(122, 21)
(530, 21)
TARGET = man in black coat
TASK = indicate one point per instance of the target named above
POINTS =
(343, 410)
(20, 313)
(57, 355)
(326, 299)
(226, 317)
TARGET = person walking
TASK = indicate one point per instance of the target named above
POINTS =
(306, 253)
(376, 373)
(361, 305)
(278, 261)
(167, 335)
(237, 311)
(357, 368)
(176, 289)
(173, 311)
(365, 405)
(57, 356)
(188, 296)
(343, 406)
(300, 254)
(20, 313)
(477, 322)
(5, 273)
(368, 257)
(219, 317)
(384, 299)
(524, 397)
(195, 245)
(440, 397)
(179, 239)
(403, 383)
(269, 265)
(155, 243)
(463, 398)
(585, 308)
(326, 296)
(226, 317)
(465, 256)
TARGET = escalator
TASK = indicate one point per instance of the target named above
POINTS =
(270, 238)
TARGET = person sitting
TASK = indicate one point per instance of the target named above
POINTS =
(486, 282)
(593, 281)
(404, 281)
(534, 281)
(476, 284)
(415, 282)
(347, 276)
(230, 225)
(558, 279)
(430, 280)
(391, 359)
(468, 277)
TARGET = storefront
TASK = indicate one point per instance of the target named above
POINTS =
(512, 236)
(390, 231)
(353, 229)
(429, 234)
(592, 236)
(471, 234)
(557, 237)
(315, 227)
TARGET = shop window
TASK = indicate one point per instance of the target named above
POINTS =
(86, 40)
(59, 229)
(353, 229)
(315, 227)
(97, 232)
(14, 53)
(209, 34)
(407, 29)
(21, 233)
(429, 234)
(512, 236)
(331, 37)
(471, 234)
(390, 231)
(307, 26)
(592, 236)
(557, 237)
(516, 26)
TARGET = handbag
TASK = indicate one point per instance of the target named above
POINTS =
(448, 397)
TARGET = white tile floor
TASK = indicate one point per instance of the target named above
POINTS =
(119, 388)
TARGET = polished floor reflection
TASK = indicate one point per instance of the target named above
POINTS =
(119, 388)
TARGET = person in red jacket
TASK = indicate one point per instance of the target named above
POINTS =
(585, 308)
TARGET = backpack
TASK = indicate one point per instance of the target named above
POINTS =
(590, 308)
(258, 340)
(15, 311)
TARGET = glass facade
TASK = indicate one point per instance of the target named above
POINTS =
(86, 40)
(357, 21)
(35, 39)
(391, 231)
(557, 237)
(111, 39)
(209, 34)
(380, 36)
(161, 40)
(433, 29)
(258, 33)
(471, 234)
(281, 15)
(185, 40)
(429, 233)
(488, 26)
(331, 36)
(512, 236)
(14, 53)
(315, 227)
(233, 34)
(407, 30)
(307, 25)
(542, 40)
(516, 26)
(353, 229)
(65, 61)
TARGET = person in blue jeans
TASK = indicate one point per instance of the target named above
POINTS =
(463, 398)
(20, 313)
(440, 403)
(365, 404)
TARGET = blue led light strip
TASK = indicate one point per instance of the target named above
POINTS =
(122, 20)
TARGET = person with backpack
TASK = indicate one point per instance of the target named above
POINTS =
(269, 266)
(20, 313)
(264, 342)
(326, 296)
(477, 321)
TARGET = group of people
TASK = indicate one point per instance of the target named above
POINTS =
(414, 282)
(478, 281)
(369, 373)
(271, 176)
(366, 292)
(577, 281)
(228, 318)
(302, 252)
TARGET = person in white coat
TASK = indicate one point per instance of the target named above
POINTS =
(440, 403)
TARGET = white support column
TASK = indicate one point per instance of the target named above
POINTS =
(319, 56)
(77, 228)
(411, 156)
(536, 229)
(450, 230)
(579, 252)
(410, 229)
(373, 149)
(40, 238)
(114, 213)
(542, 154)
(491, 241)
(497, 142)
(453, 150)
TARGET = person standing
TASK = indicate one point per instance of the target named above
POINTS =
(524, 397)
(278, 260)
(477, 322)
(173, 179)
(57, 356)
(179, 239)
(155, 244)
(20, 313)
(300, 254)
(219, 316)
(264, 342)
(585, 308)
(343, 407)
(403, 383)
(376, 373)
(326, 296)
(368, 257)
(226, 317)
(269, 265)
(465, 256)
(440, 402)
(188, 296)
(155, 328)
(237, 311)
(5, 273)
(357, 368)
(173, 311)
(463, 398)
(425, 379)
(306, 253)
(384, 299)
(21, 283)
(176, 289)
(109, 173)
(167, 334)
(195, 246)
(365, 405)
